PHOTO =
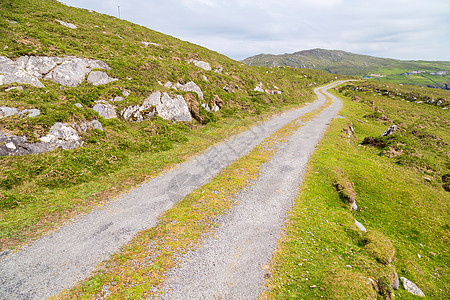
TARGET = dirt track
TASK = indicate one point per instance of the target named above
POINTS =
(56, 262)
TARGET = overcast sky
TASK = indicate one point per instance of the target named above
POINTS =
(402, 29)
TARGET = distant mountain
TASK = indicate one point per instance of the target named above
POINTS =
(431, 73)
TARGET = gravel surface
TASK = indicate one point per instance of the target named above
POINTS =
(57, 261)
(232, 263)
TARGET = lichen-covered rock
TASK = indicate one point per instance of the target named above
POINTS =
(201, 64)
(67, 71)
(411, 287)
(167, 108)
(60, 136)
(105, 110)
(99, 78)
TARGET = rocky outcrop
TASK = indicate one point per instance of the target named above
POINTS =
(201, 64)
(67, 71)
(411, 287)
(259, 88)
(168, 108)
(11, 111)
(60, 136)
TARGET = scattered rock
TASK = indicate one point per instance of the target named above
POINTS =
(105, 110)
(125, 93)
(391, 130)
(99, 78)
(219, 70)
(360, 226)
(132, 113)
(201, 64)
(116, 99)
(205, 78)
(259, 88)
(89, 125)
(30, 113)
(62, 136)
(69, 25)
(79, 105)
(432, 254)
(411, 287)
(8, 111)
(146, 44)
(206, 106)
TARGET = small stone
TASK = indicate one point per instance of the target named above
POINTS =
(432, 254)
(79, 105)
(348, 266)
(360, 226)
(427, 179)
(419, 256)
(411, 287)
(125, 93)
(390, 131)
(69, 25)
(313, 286)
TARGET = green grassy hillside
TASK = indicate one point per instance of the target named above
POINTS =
(402, 186)
(37, 192)
(345, 63)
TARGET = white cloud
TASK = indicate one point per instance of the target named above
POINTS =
(406, 29)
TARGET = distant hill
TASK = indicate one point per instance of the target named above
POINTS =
(431, 73)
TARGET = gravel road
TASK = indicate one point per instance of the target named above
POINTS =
(57, 261)
(232, 263)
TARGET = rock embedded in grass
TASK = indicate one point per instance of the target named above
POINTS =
(411, 287)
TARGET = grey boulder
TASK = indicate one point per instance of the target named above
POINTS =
(390, 131)
(168, 108)
(201, 64)
(105, 110)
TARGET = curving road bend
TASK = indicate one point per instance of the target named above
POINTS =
(56, 262)
(231, 264)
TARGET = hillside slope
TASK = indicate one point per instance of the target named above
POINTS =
(345, 63)
(96, 86)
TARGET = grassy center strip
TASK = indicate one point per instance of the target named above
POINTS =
(141, 267)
